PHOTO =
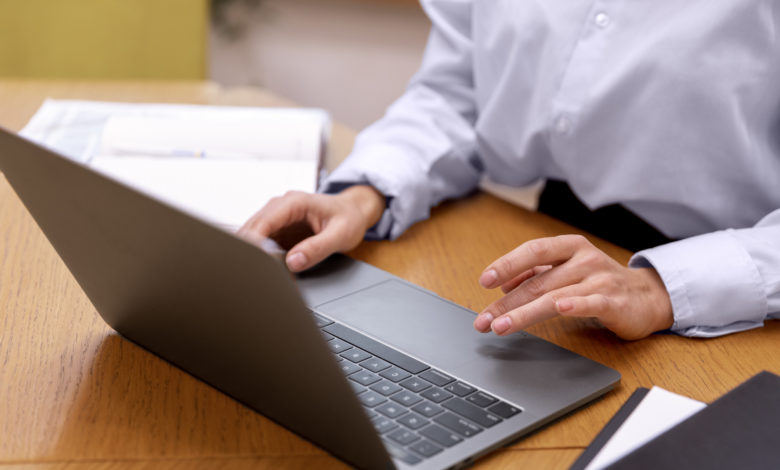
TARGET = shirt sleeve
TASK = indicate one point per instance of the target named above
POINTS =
(721, 282)
(423, 150)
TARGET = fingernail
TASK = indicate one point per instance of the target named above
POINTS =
(296, 261)
(488, 278)
(501, 325)
(564, 305)
(483, 321)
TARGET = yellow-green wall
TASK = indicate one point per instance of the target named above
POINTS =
(134, 39)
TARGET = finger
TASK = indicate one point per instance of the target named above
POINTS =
(291, 234)
(277, 214)
(543, 251)
(483, 321)
(537, 311)
(594, 305)
(517, 280)
(333, 238)
(534, 312)
(509, 286)
(251, 226)
(547, 281)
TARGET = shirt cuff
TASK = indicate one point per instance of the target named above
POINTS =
(714, 285)
(381, 229)
(394, 174)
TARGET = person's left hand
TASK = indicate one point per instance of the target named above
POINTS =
(567, 275)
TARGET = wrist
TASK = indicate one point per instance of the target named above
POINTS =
(369, 201)
(660, 303)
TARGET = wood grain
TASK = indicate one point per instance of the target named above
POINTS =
(77, 396)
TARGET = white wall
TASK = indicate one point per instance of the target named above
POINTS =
(352, 57)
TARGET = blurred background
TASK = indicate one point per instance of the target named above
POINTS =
(351, 57)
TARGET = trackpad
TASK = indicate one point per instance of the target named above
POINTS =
(520, 367)
(408, 318)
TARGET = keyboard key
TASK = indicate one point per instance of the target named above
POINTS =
(436, 395)
(406, 398)
(481, 399)
(370, 413)
(355, 355)
(427, 409)
(436, 377)
(460, 389)
(403, 436)
(401, 454)
(441, 436)
(357, 387)
(458, 424)
(376, 348)
(426, 448)
(412, 421)
(364, 377)
(415, 384)
(327, 336)
(395, 374)
(338, 346)
(505, 410)
(371, 399)
(321, 321)
(391, 410)
(383, 425)
(375, 364)
(472, 412)
(349, 368)
(386, 387)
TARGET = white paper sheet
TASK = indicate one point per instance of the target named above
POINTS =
(221, 192)
(658, 412)
(218, 163)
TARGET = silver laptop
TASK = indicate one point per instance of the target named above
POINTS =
(380, 372)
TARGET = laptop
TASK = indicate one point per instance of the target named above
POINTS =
(378, 371)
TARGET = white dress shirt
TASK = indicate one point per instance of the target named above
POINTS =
(671, 108)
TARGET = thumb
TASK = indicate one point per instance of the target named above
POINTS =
(316, 248)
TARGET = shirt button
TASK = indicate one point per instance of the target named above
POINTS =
(602, 20)
(563, 125)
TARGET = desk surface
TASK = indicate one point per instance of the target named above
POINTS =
(75, 395)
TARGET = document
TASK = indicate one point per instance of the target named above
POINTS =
(658, 411)
(220, 164)
(738, 430)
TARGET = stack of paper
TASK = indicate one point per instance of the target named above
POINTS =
(655, 412)
(659, 429)
(220, 164)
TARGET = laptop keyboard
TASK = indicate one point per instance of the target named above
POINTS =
(418, 411)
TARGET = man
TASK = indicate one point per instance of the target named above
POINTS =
(657, 123)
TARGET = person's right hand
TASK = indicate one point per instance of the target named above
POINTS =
(314, 226)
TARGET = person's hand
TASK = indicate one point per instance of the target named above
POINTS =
(314, 226)
(567, 275)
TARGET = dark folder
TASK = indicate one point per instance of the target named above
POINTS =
(609, 429)
(739, 430)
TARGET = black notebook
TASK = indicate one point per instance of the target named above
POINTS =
(609, 429)
(739, 430)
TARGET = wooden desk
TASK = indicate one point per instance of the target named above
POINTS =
(74, 395)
